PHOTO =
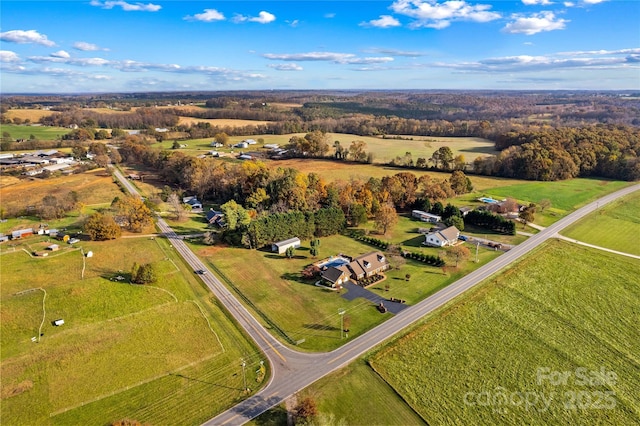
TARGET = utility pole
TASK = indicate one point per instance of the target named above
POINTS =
(244, 377)
(477, 246)
(341, 313)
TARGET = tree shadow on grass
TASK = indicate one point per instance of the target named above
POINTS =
(295, 277)
(276, 416)
(414, 242)
(321, 327)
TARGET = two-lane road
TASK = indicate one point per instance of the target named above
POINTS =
(293, 371)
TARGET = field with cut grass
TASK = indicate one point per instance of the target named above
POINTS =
(615, 226)
(222, 122)
(353, 395)
(32, 114)
(480, 359)
(93, 187)
(273, 285)
(161, 354)
(44, 133)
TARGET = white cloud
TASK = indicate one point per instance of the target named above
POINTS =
(209, 15)
(536, 23)
(285, 67)
(24, 37)
(7, 56)
(86, 47)
(263, 18)
(431, 14)
(634, 51)
(127, 7)
(84, 62)
(329, 15)
(293, 23)
(60, 54)
(385, 21)
(569, 4)
(594, 1)
(394, 52)
(537, 2)
(338, 58)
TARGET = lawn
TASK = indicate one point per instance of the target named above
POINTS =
(162, 354)
(353, 395)
(275, 290)
(615, 226)
(541, 315)
(45, 133)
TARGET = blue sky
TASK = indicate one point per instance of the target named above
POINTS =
(126, 46)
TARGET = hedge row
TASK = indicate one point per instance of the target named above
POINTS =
(373, 241)
(425, 258)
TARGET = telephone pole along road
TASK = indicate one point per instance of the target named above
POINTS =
(292, 371)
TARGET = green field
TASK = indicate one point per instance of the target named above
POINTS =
(615, 226)
(502, 338)
(565, 195)
(161, 354)
(275, 288)
(44, 133)
(353, 395)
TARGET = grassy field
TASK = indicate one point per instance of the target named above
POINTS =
(275, 288)
(161, 354)
(615, 226)
(93, 187)
(354, 395)
(222, 122)
(28, 114)
(539, 314)
(40, 132)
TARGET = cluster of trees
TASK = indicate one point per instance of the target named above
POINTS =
(425, 258)
(143, 274)
(101, 227)
(564, 153)
(53, 207)
(129, 212)
(280, 226)
(373, 241)
(257, 187)
(491, 221)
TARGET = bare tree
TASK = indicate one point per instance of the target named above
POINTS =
(179, 213)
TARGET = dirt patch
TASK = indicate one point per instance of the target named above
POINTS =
(16, 389)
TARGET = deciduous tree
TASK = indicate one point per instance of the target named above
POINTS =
(102, 227)
(386, 218)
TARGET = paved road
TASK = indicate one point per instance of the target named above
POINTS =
(292, 371)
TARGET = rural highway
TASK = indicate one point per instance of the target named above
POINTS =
(292, 371)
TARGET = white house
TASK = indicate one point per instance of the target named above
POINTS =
(282, 246)
(241, 145)
(216, 144)
(426, 217)
(250, 141)
(445, 237)
(193, 202)
(271, 146)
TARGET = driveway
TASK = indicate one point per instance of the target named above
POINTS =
(355, 291)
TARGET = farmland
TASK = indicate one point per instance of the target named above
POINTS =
(615, 226)
(538, 314)
(32, 114)
(161, 354)
(44, 133)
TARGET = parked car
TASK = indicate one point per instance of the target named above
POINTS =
(73, 241)
(201, 272)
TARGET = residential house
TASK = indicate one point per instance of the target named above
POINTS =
(443, 237)
(193, 202)
(250, 141)
(3, 238)
(426, 217)
(241, 145)
(465, 210)
(215, 218)
(336, 275)
(216, 144)
(282, 246)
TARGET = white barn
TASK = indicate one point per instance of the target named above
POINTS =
(282, 246)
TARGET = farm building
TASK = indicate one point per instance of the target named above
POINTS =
(3, 238)
(426, 217)
(282, 246)
(250, 141)
(216, 144)
(445, 237)
(21, 233)
(241, 145)
(271, 146)
(53, 247)
(245, 157)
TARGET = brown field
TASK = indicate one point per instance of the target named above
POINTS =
(34, 115)
(284, 105)
(93, 187)
(333, 170)
(220, 121)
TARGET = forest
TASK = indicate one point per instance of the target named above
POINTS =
(541, 135)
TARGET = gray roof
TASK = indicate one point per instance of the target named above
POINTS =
(333, 274)
(289, 241)
(450, 233)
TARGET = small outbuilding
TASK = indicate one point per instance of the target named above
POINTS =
(426, 217)
(58, 322)
(282, 246)
(53, 247)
